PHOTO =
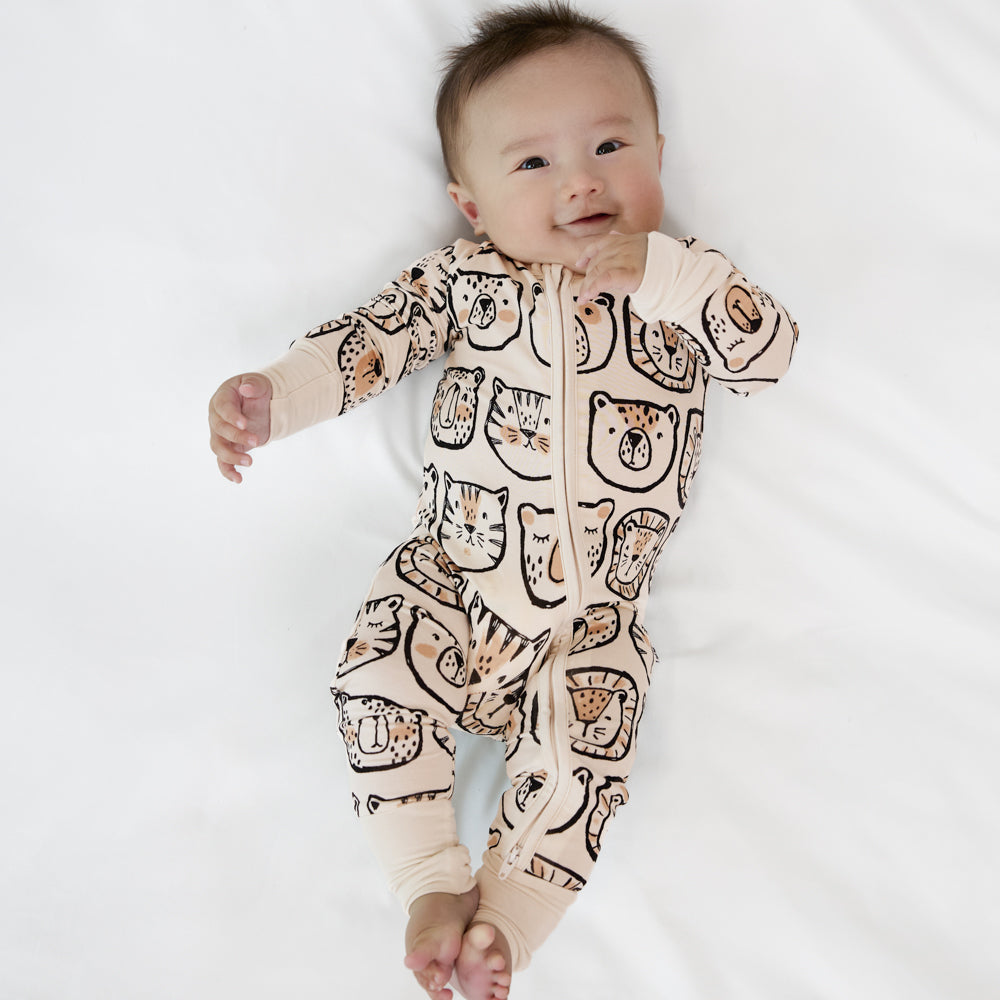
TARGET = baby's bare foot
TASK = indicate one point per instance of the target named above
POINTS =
(434, 938)
(483, 967)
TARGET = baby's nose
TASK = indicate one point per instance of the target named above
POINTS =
(581, 181)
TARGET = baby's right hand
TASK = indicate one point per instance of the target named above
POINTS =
(239, 417)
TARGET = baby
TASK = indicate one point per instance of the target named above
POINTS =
(564, 435)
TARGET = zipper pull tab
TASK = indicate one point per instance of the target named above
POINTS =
(511, 861)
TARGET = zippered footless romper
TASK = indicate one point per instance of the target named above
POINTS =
(563, 440)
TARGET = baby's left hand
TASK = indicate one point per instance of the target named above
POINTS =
(612, 263)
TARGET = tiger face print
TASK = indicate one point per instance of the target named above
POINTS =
(519, 429)
(376, 634)
(472, 524)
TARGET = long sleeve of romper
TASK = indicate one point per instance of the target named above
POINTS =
(743, 336)
(349, 360)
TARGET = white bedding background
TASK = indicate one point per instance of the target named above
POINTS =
(184, 188)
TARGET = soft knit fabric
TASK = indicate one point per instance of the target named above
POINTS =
(563, 442)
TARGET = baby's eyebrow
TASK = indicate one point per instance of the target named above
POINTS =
(609, 121)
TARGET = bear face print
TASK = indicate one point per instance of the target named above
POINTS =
(741, 321)
(379, 734)
(632, 443)
(660, 352)
(436, 659)
(541, 556)
(595, 332)
(639, 536)
(488, 307)
(453, 415)
(376, 634)
(472, 528)
(519, 429)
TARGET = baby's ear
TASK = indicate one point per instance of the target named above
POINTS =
(463, 199)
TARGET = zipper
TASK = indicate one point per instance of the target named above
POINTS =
(564, 504)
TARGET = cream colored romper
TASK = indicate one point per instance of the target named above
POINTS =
(563, 441)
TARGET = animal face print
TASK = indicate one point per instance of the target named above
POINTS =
(428, 279)
(436, 658)
(603, 706)
(453, 416)
(362, 367)
(690, 456)
(599, 625)
(499, 661)
(541, 556)
(519, 429)
(379, 734)
(659, 351)
(427, 506)
(741, 321)
(639, 536)
(488, 306)
(610, 796)
(472, 525)
(595, 332)
(376, 634)
(632, 443)
(387, 310)
(423, 564)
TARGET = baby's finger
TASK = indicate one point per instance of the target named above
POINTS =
(228, 408)
(229, 472)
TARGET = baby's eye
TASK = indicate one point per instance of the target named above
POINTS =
(609, 146)
(532, 163)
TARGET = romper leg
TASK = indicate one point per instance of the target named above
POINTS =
(607, 676)
(399, 687)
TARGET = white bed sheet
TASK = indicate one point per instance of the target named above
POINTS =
(188, 186)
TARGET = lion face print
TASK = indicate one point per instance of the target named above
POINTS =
(639, 536)
(453, 415)
(632, 443)
(660, 352)
(519, 429)
(472, 524)
(603, 707)
(741, 321)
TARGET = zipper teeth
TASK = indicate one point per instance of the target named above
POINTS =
(529, 840)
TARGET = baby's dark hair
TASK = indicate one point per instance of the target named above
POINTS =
(502, 37)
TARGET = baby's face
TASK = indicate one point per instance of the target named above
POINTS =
(558, 149)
